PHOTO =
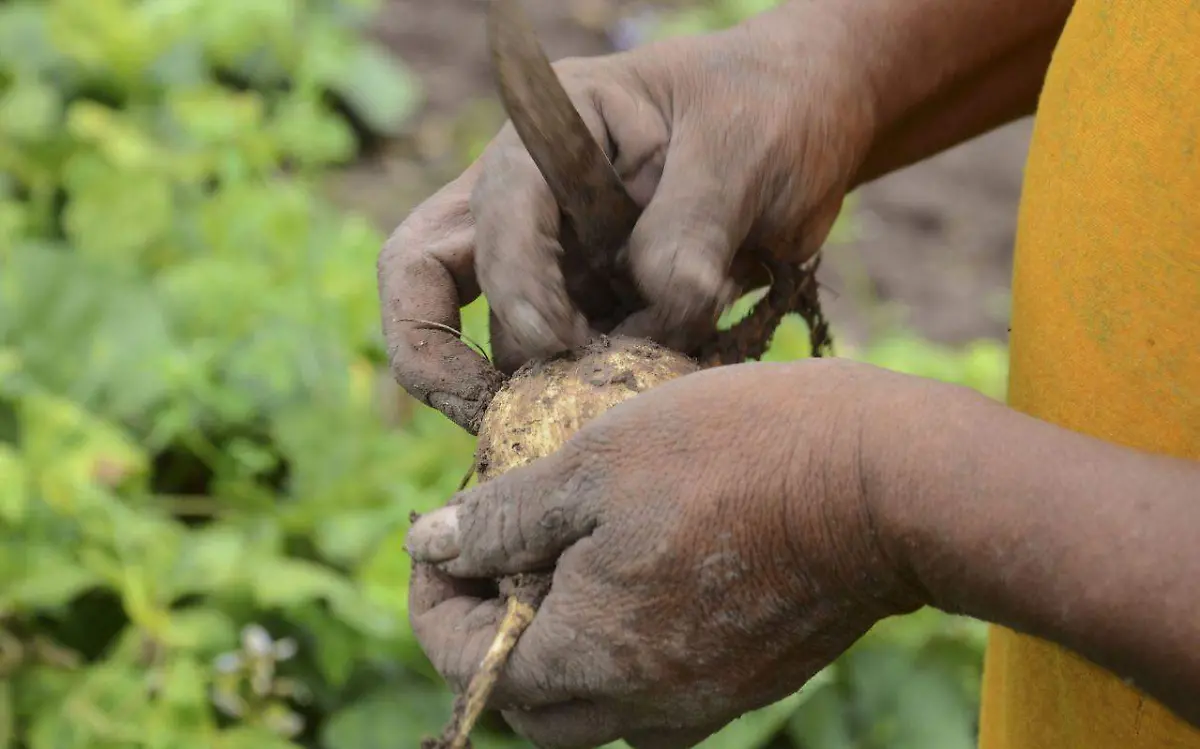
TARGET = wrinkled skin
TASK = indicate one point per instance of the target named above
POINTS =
(684, 593)
(766, 176)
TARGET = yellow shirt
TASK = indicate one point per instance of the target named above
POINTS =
(1106, 318)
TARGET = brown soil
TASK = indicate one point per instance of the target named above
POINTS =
(934, 244)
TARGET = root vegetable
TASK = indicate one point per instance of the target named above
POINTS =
(544, 403)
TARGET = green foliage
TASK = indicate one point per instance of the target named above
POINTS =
(205, 471)
(193, 457)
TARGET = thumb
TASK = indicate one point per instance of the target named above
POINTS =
(682, 247)
(520, 521)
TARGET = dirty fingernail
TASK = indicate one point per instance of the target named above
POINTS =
(527, 324)
(434, 537)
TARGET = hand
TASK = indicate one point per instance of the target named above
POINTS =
(739, 145)
(713, 547)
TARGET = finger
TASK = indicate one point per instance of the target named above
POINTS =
(578, 724)
(507, 356)
(425, 273)
(681, 250)
(457, 632)
(520, 521)
(429, 587)
(518, 254)
(431, 590)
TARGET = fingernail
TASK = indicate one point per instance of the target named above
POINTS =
(527, 324)
(434, 537)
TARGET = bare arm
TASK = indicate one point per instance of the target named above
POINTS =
(995, 514)
(1087, 544)
(939, 72)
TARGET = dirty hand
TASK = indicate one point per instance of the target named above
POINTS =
(713, 548)
(739, 145)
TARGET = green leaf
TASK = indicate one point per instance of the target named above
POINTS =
(71, 449)
(341, 645)
(234, 31)
(757, 729)
(932, 712)
(289, 582)
(212, 115)
(29, 109)
(310, 133)
(14, 489)
(200, 630)
(180, 66)
(349, 537)
(110, 214)
(8, 718)
(182, 684)
(25, 45)
(877, 675)
(822, 723)
(118, 137)
(14, 222)
(398, 716)
(46, 578)
(252, 737)
(379, 88)
(384, 574)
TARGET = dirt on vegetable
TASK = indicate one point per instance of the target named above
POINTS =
(545, 402)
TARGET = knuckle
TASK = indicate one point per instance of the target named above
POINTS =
(481, 528)
(579, 463)
(433, 216)
(499, 533)
(586, 81)
(588, 451)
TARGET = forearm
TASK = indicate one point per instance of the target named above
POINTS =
(1015, 521)
(996, 96)
(937, 72)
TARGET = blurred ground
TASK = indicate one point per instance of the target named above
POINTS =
(933, 243)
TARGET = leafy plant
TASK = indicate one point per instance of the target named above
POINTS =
(193, 457)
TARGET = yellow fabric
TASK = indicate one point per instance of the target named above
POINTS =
(1106, 318)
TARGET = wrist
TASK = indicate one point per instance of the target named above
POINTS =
(839, 478)
(915, 477)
